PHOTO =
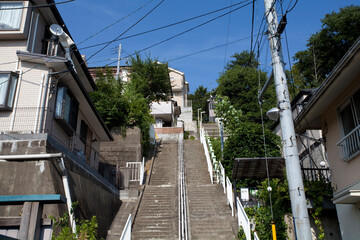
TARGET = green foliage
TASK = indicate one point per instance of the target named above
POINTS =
(240, 83)
(326, 47)
(129, 105)
(198, 99)
(216, 144)
(85, 229)
(246, 141)
(109, 100)
(150, 78)
(317, 192)
(262, 215)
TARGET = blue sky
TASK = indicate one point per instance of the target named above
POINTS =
(86, 17)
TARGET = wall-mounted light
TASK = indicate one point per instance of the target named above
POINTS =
(273, 113)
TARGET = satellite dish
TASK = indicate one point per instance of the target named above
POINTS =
(56, 30)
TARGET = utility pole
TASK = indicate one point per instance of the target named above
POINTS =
(293, 170)
(118, 62)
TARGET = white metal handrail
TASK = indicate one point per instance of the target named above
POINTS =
(243, 220)
(126, 234)
(207, 154)
(256, 236)
(229, 195)
(135, 171)
(350, 145)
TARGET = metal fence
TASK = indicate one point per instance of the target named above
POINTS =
(126, 234)
(350, 145)
(243, 220)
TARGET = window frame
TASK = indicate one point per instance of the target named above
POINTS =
(21, 17)
(66, 124)
(348, 102)
(10, 74)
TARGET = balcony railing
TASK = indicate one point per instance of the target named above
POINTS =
(350, 145)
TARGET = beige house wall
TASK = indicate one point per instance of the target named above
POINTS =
(343, 173)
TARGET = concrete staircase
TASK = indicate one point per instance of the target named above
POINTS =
(213, 130)
(119, 221)
(209, 214)
(157, 217)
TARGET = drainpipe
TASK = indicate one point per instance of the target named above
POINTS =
(67, 193)
(39, 103)
(16, 98)
(41, 123)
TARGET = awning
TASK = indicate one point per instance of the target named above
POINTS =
(255, 168)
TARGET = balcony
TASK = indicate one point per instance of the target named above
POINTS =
(350, 145)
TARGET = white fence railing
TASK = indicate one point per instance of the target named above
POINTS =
(136, 171)
(126, 234)
(243, 220)
(350, 145)
(204, 139)
(256, 236)
(217, 167)
(230, 195)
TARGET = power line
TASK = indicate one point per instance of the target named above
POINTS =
(287, 11)
(37, 6)
(115, 22)
(166, 26)
(208, 49)
(227, 37)
(190, 29)
(127, 29)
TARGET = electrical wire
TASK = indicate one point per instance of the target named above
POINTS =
(227, 37)
(208, 49)
(37, 6)
(287, 11)
(166, 26)
(93, 35)
(128, 29)
(190, 29)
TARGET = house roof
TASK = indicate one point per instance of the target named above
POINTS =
(256, 168)
(84, 84)
(340, 77)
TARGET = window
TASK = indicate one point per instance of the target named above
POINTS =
(8, 82)
(350, 113)
(66, 109)
(10, 19)
(349, 116)
(83, 131)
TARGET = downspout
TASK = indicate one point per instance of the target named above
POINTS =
(67, 194)
(16, 98)
(39, 103)
(41, 123)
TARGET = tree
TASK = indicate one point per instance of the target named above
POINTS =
(240, 83)
(199, 98)
(150, 78)
(109, 100)
(326, 47)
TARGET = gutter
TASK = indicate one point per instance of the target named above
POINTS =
(76, 52)
(329, 80)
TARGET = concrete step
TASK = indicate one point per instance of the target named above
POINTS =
(157, 217)
(120, 219)
(209, 214)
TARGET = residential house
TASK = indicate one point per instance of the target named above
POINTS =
(50, 129)
(335, 109)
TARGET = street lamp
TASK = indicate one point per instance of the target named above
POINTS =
(198, 117)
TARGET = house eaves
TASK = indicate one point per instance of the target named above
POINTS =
(90, 103)
(330, 90)
(76, 52)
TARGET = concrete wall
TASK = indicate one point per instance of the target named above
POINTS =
(95, 195)
(123, 149)
(169, 133)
